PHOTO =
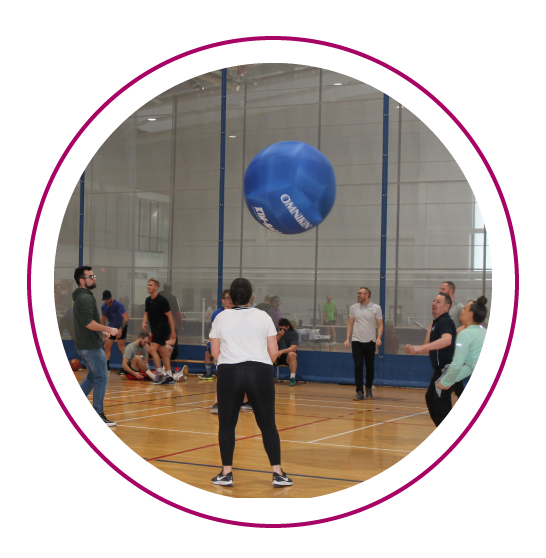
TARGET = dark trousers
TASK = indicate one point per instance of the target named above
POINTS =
(363, 353)
(256, 380)
(438, 406)
(458, 388)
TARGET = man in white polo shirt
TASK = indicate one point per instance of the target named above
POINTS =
(364, 317)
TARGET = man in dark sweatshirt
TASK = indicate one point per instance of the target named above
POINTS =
(89, 335)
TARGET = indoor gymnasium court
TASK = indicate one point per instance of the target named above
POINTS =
(329, 443)
(318, 189)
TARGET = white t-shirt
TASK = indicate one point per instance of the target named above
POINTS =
(243, 334)
(366, 316)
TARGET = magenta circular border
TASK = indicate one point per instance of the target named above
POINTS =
(301, 40)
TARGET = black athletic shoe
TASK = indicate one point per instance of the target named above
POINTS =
(214, 409)
(359, 396)
(281, 480)
(246, 407)
(122, 373)
(223, 480)
(106, 421)
(206, 377)
(167, 380)
(369, 393)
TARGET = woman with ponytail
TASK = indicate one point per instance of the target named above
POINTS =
(468, 347)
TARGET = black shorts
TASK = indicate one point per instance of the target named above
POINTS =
(330, 323)
(160, 335)
(122, 336)
(282, 360)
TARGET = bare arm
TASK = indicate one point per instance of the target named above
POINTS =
(441, 343)
(103, 320)
(215, 348)
(144, 321)
(379, 332)
(95, 326)
(272, 347)
(349, 331)
(124, 323)
(291, 349)
(169, 315)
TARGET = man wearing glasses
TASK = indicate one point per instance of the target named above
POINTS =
(364, 317)
(89, 335)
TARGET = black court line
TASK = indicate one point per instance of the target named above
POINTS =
(255, 471)
(154, 400)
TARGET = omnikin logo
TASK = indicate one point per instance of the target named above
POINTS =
(294, 211)
(260, 214)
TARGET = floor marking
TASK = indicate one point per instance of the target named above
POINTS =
(155, 408)
(170, 398)
(162, 414)
(367, 409)
(245, 438)
(342, 446)
(370, 401)
(364, 427)
(256, 471)
(168, 430)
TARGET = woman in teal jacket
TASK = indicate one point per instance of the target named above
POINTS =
(468, 347)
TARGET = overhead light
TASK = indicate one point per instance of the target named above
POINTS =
(232, 136)
(152, 119)
(338, 83)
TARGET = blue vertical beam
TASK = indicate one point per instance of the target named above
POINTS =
(222, 181)
(384, 191)
(82, 207)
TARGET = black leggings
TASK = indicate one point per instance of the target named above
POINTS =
(363, 353)
(256, 380)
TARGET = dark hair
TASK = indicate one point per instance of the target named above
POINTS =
(224, 293)
(168, 287)
(273, 299)
(479, 310)
(143, 334)
(79, 273)
(447, 298)
(240, 291)
(367, 290)
(286, 322)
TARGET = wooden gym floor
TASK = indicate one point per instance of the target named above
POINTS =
(328, 441)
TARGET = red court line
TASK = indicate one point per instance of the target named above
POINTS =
(238, 440)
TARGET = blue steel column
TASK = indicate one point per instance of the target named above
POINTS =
(384, 191)
(222, 180)
(82, 206)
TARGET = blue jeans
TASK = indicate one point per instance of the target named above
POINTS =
(97, 376)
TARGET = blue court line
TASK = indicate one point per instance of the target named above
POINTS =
(255, 471)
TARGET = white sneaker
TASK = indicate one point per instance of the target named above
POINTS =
(181, 376)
